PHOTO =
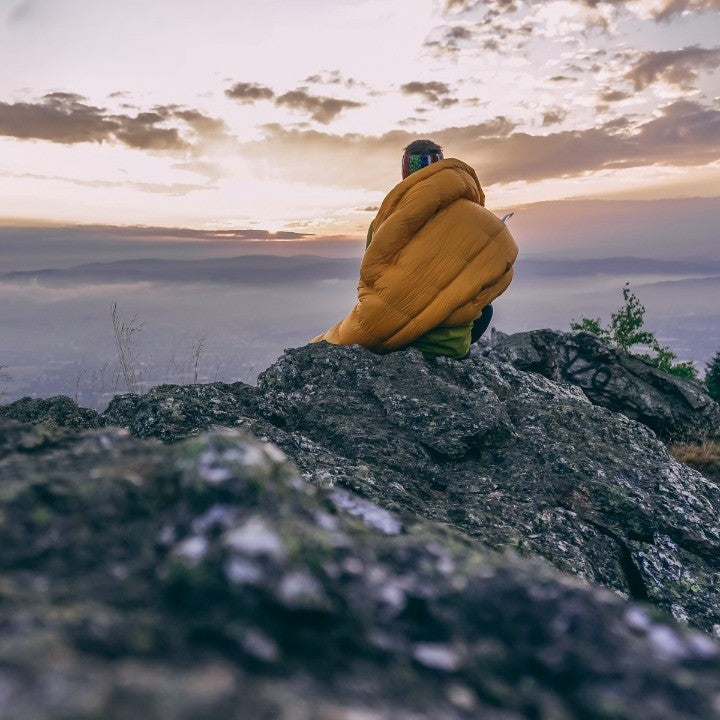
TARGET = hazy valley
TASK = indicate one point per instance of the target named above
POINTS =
(227, 318)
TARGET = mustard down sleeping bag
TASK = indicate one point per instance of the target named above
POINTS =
(437, 258)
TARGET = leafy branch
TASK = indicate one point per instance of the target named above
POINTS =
(627, 330)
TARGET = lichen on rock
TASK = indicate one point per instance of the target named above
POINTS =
(361, 535)
(137, 584)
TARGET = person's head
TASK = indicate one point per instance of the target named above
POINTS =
(419, 154)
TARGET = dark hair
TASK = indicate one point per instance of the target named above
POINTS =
(422, 147)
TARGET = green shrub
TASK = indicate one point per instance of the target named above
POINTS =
(627, 329)
(712, 377)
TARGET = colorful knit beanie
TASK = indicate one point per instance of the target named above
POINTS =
(411, 163)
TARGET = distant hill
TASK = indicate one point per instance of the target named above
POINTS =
(270, 269)
(535, 266)
(248, 269)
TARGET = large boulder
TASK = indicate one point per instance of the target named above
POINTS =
(207, 579)
(674, 408)
(508, 457)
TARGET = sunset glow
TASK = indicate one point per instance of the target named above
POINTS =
(288, 116)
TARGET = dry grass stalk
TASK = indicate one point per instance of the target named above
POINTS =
(704, 457)
(197, 352)
(126, 332)
(4, 377)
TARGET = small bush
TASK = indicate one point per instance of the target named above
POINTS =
(627, 329)
(712, 377)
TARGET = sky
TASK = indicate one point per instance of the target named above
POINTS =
(286, 120)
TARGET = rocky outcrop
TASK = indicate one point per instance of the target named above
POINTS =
(172, 412)
(207, 579)
(59, 411)
(674, 408)
(508, 457)
(210, 576)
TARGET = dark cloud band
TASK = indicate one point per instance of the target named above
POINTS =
(676, 67)
(245, 92)
(321, 109)
(67, 119)
(436, 93)
(685, 134)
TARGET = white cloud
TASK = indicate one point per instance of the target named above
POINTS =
(508, 60)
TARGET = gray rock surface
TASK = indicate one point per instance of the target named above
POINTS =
(58, 411)
(206, 579)
(171, 412)
(674, 408)
(209, 577)
(508, 457)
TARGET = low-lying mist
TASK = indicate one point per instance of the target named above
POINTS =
(228, 319)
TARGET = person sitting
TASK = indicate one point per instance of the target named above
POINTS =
(435, 259)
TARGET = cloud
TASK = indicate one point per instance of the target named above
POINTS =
(313, 156)
(411, 121)
(66, 118)
(204, 126)
(685, 134)
(675, 67)
(458, 32)
(554, 116)
(495, 7)
(142, 132)
(249, 92)
(59, 117)
(619, 123)
(451, 38)
(149, 232)
(668, 8)
(434, 92)
(658, 10)
(329, 77)
(321, 109)
(614, 95)
(499, 29)
(334, 77)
